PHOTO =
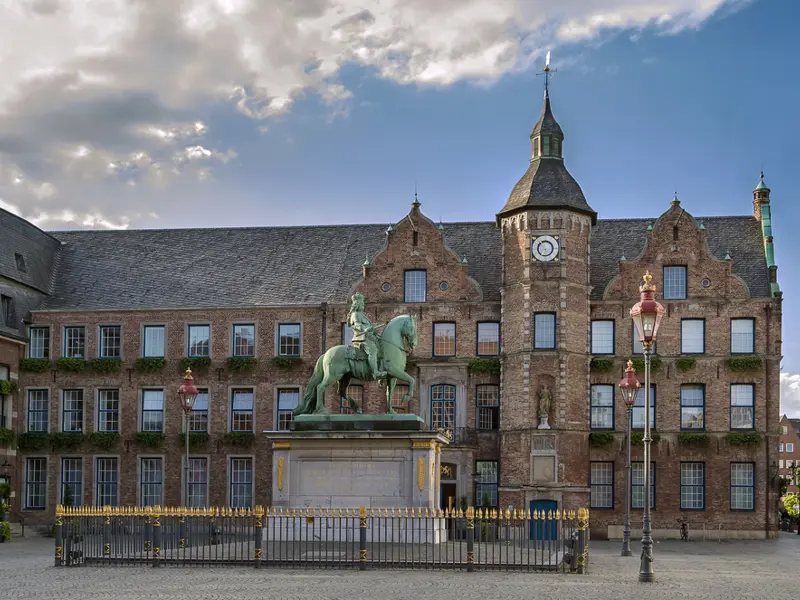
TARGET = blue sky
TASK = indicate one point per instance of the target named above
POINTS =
(198, 116)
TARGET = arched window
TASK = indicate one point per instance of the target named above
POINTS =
(443, 406)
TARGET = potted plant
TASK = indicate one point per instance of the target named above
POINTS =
(5, 499)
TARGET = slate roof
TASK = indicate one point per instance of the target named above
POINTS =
(547, 123)
(796, 424)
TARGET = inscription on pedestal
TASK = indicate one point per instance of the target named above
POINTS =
(340, 478)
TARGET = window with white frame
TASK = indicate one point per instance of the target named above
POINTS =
(693, 406)
(789, 447)
(637, 485)
(675, 282)
(743, 491)
(347, 335)
(399, 404)
(242, 405)
(603, 337)
(35, 483)
(488, 339)
(107, 481)
(486, 483)
(544, 331)
(693, 486)
(151, 481)
(38, 411)
(110, 345)
(780, 447)
(743, 336)
(153, 410)
(153, 346)
(108, 411)
(356, 393)
(693, 336)
(72, 411)
(601, 485)
(602, 406)
(241, 482)
(742, 406)
(74, 342)
(244, 340)
(198, 417)
(488, 400)
(198, 482)
(444, 339)
(443, 406)
(416, 284)
(637, 415)
(288, 400)
(199, 341)
(289, 339)
(72, 481)
(39, 342)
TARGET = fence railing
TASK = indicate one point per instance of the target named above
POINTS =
(475, 539)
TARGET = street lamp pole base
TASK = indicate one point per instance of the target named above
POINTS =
(626, 553)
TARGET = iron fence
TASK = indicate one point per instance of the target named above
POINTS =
(475, 539)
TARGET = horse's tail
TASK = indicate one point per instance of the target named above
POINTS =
(316, 379)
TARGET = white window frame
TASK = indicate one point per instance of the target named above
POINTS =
(64, 352)
(207, 471)
(229, 477)
(255, 339)
(278, 410)
(554, 317)
(414, 286)
(495, 325)
(600, 344)
(666, 289)
(444, 325)
(46, 412)
(142, 409)
(47, 341)
(231, 391)
(689, 336)
(99, 411)
(100, 341)
(77, 498)
(140, 483)
(26, 483)
(789, 447)
(188, 346)
(752, 348)
(278, 326)
(163, 328)
(62, 410)
(97, 497)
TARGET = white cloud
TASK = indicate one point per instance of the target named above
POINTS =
(119, 93)
(790, 394)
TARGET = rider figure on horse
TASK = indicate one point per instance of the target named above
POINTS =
(364, 334)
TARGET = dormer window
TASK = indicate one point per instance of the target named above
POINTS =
(556, 147)
(545, 145)
(536, 147)
(20, 260)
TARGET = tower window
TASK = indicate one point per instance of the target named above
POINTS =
(546, 145)
(415, 239)
(556, 147)
(675, 233)
(20, 260)
(536, 147)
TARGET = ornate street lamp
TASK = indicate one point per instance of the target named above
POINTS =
(187, 394)
(647, 315)
(629, 387)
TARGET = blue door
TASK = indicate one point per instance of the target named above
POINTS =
(544, 530)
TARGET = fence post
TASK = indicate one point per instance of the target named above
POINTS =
(258, 514)
(362, 538)
(470, 539)
(156, 535)
(59, 559)
(107, 532)
(182, 512)
(582, 550)
(148, 529)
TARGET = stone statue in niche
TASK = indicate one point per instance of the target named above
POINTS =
(545, 401)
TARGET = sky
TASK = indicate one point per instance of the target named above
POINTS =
(154, 113)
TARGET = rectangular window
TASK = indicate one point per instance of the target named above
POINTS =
(693, 336)
(108, 411)
(242, 410)
(416, 284)
(198, 482)
(743, 491)
(110, 341)
(72, 481)
(544, 331)
(603, 337)
(39, 342)
(347, 335)
(36, 484)
(637, 416)
(199, 341)
(444, 339)
(743, 336)
(356, 393)
(153, 346)
(288, 400)
(601, 485)
(151, 482)
(780, 448)
(38, 410)
(636, 343)
(398, 403)
(675, 283)
(153, 410)
(75, 342)
(7, 309)
(443, 407)
(244, 340)
(241, 474)
(486, 483)
(488, 397)
(72, 411)
(289, 339)
(780, 464)
(693, 486)
(545, 145)
(637, 485)
(488, 339)
(198, 418)
(693, 404)
(789, 447)
(602, 407)
(107, 493)
(742, 406)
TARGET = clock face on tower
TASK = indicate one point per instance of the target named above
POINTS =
(544, 248)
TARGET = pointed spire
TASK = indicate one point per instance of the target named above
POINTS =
(761, 185)
(675, 201)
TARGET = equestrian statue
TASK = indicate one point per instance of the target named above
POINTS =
(373, 356)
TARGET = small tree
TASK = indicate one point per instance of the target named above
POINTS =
(67, 499)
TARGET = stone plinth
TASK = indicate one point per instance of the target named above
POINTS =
(339, 422)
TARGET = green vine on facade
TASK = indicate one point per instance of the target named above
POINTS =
(695, 440)
(685, 363)
(7, 387)
(637, 439)
(741, 364)
(286, 362)
(241, 363)
(242, 439)
(601, 365)
(601, 439)
(71, 364)
(488, 366)
(655, 363)
(33, 442)
(35, 365)
(104, 440)
(197, 439)
(106, 365)
(744, 438)
(150, 439)
(66, 441)
(195, 363)
(7, 436)
(150, 364)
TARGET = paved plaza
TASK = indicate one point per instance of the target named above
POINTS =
(698, 570)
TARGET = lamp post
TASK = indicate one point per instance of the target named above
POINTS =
(187, 394)
(629, 387)
(647, 315)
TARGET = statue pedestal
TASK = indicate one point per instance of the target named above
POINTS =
(543, 422)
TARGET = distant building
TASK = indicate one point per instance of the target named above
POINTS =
(97, 325)
(789, 451)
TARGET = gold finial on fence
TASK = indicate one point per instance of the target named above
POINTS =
(258, 511)
(583, 514)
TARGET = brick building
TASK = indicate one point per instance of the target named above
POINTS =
(537, 297)
(789, 451)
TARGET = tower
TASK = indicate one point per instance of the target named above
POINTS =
(546, 229)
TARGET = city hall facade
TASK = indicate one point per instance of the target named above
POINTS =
(97, 327)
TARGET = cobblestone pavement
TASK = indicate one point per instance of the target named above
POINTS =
(698, 570)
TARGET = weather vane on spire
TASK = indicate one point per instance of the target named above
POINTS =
(548, 72)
